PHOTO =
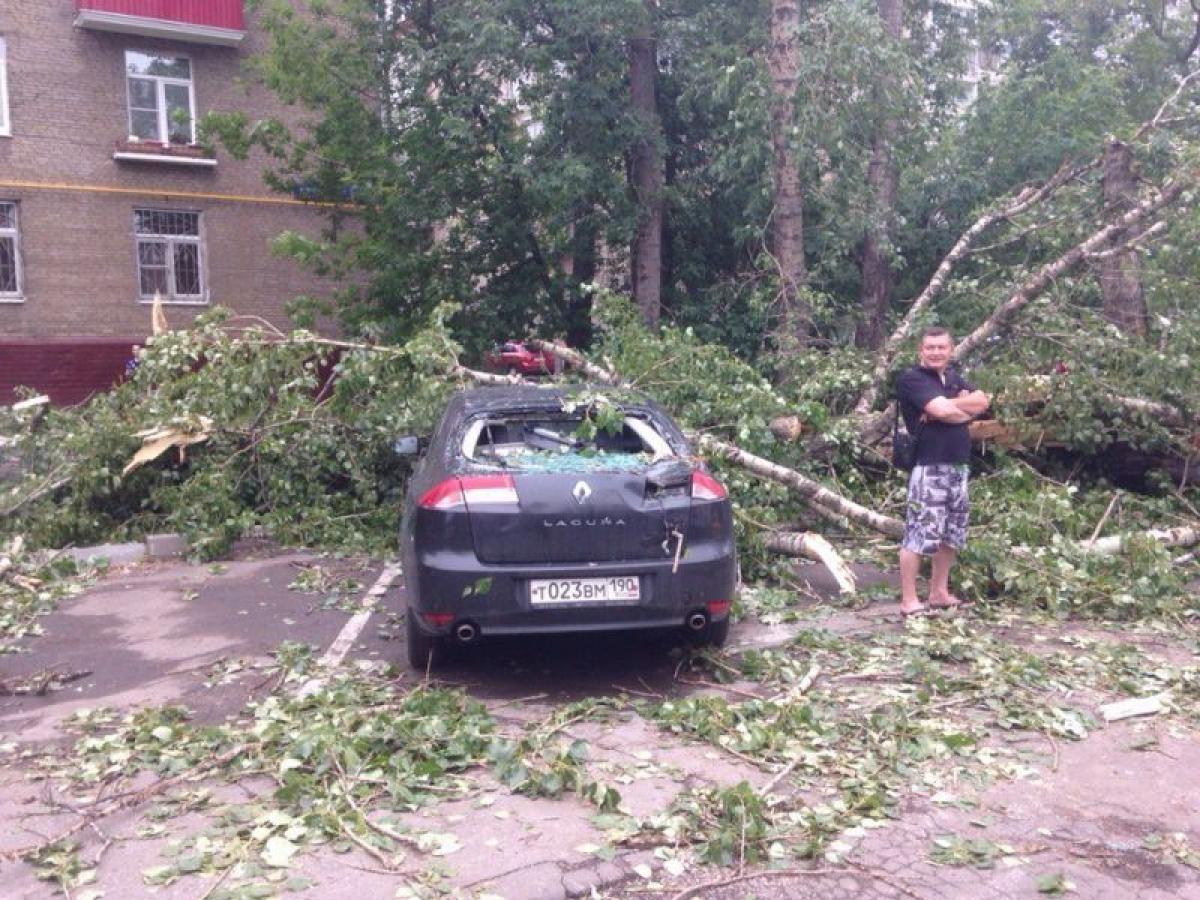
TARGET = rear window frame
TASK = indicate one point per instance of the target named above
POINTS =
(465, 441)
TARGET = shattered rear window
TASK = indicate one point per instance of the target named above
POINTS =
(555, 444)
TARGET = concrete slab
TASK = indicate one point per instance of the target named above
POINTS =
(116, 554)
(166, 546)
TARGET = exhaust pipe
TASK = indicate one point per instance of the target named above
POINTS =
(697, 621)
(466, 632)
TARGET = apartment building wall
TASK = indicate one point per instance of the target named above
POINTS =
(75, 203)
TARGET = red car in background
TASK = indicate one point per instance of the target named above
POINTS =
(514, 356)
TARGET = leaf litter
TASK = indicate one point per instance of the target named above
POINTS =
(842, 728)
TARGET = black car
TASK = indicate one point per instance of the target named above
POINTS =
(540, 510)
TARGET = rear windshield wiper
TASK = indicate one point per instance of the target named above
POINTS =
(560, 439)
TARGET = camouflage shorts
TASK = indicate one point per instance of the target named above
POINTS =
(937, 508)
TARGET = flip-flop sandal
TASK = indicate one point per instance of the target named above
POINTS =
(958, 603)
(917, 613)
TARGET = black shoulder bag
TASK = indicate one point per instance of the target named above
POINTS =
(904, 445)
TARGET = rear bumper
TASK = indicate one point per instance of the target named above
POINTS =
(495, 597)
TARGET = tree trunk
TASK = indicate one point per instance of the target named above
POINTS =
(582, 271)
(787, 219)
(876, 291)
(1120, 274)
(646, 169)
(818, 497)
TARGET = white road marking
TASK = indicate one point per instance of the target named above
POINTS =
(332, 658)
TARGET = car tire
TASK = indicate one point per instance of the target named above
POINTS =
(424, 651)
(714, 634)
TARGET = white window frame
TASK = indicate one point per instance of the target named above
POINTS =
(160, 95)
(18, 295)
(171, 240)
(5, 120)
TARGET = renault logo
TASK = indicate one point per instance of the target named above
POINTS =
(581, 492)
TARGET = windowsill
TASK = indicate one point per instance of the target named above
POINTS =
(168, 160)
(170, 154)
(172, 301)
(12, 298)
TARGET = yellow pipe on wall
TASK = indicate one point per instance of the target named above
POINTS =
(166, 195)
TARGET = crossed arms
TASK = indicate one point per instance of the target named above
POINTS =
(957, 410)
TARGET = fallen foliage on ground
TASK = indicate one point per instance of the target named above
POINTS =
(843, 727)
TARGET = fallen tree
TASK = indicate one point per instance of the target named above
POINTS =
(308, 458)
(1118, 236)
(829, 503)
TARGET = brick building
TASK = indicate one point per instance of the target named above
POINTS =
(105, 199)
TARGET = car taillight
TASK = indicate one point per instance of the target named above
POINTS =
(455, 492)
(705, 487)
(718, 607)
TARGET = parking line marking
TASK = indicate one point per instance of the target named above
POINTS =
(332, 658)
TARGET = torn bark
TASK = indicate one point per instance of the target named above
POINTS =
(813, 546)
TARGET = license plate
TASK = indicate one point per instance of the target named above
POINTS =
(615, 589)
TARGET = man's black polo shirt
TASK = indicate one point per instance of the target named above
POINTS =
(937, 442)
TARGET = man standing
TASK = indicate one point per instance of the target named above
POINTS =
(937, 403)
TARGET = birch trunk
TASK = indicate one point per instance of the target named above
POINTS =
(1025, 200)
(1184, 536)
(1120, 273)
(831, 506)
(819, 498)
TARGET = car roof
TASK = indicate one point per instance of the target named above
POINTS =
(506, 397)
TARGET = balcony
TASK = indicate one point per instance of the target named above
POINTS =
(193, 21)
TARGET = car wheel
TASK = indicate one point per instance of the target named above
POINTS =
(424, 651)
(715, 634)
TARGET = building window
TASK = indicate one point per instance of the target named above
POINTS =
(10, 256)
(5, 125)
(160, 98)
(169, 255)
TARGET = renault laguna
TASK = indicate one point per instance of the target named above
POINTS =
(545, 510)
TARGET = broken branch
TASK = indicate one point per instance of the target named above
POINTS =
(1183, 536)
(813, 546)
